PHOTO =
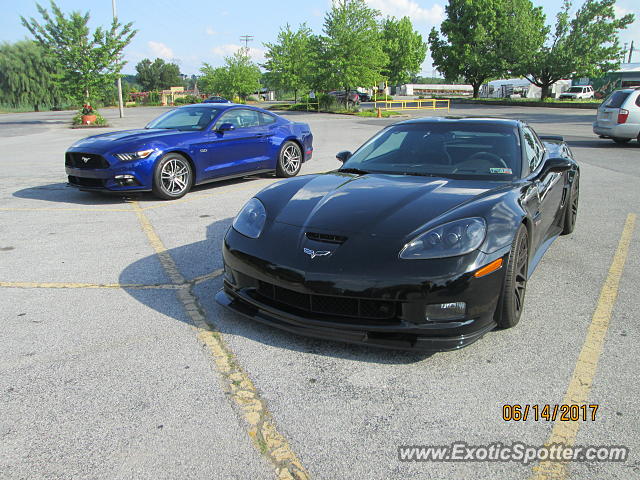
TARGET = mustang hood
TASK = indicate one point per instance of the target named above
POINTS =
(385, 205)
(108, 141)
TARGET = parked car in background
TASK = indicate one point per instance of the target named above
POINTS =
(364, 97)
(352, 97)
(618, 116)
(188, 146)
(216, 99)
(577, 92)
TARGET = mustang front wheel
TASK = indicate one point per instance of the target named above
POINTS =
(172, 177)
(289, 160)
(515, 282)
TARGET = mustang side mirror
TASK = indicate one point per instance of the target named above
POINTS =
(344, 155)
(225, 127)
(556, 164)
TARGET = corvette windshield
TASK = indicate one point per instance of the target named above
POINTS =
(186, 119)
(447, 149)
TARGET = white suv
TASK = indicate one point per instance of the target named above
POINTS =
(585, 91)
(619, 116)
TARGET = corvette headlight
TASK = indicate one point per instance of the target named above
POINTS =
(250, 221)
(447, 240)
(134, 155)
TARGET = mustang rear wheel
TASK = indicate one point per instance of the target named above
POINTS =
(571, 211)
(289, 160)
(515, 282)
(173, 177)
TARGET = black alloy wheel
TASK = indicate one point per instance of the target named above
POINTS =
(515, 282)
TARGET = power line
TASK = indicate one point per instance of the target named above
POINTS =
(246, 39)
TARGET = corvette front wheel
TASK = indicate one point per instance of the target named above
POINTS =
(173, 177)
(289, 160)
(515, 282)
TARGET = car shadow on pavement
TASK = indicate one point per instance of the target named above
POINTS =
(64, 193)
(200, 258)
(603, 143)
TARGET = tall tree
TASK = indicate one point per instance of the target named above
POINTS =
(240, 77)
(351, 53)
(88, 60)
(482, 38)
(585, 46)
(404, 47)
(158, 74)
(27, 76)
(288, 60)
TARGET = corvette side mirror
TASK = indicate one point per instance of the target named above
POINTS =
(344, 155)
(556, 164)
(225, 127)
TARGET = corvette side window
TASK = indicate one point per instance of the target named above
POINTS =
(532, 148)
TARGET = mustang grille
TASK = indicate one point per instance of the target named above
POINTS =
(329, 305)
(85, 160)
(86, 182)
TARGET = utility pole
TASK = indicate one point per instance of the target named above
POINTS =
(631, 51)
(246, 39)
(120, 104)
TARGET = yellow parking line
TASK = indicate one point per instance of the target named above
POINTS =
(133, 286)
(45, 209)
(261, 427)
(585, 369)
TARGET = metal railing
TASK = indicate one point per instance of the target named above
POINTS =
(421, 104)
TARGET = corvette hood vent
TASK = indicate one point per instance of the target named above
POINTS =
(326, 238)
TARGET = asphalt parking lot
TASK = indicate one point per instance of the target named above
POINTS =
(117, 362)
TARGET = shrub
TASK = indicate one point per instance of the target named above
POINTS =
(187, 100)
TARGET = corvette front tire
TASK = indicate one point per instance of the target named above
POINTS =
(515, 282)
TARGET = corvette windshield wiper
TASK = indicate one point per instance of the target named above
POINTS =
(418, 174)
(353, 170)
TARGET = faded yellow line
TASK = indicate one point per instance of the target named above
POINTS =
(585, 369)
(208, 276)
(133, 286)
(45, 209)
(260, 425)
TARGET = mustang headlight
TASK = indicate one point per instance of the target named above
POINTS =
(134, 155)
(448, 240)
(250, 221)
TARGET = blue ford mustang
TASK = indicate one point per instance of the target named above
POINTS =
(188, 146)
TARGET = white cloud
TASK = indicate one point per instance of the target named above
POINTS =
(210, 31)
(256, 54)
(411, 9)
(160, 50)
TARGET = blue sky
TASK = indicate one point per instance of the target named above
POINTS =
(200, 31)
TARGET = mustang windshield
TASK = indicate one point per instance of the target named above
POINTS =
(447, 149)
(186, 119)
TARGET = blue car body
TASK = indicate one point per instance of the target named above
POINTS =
(92, 163)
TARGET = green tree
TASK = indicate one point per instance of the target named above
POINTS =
(240, 77)
(585, 46)
(404, 47)
(89, 61)
(157, 75)
(485, 39)
(27, 76)
(350, 53)
(288, 60)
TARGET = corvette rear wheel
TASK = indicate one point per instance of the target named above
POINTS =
(173, 177)
(571, 212)
(289, 160)
(515, 282)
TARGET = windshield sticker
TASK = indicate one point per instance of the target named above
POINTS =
(506, 171)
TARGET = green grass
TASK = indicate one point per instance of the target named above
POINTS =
(374, 113)
(528, 100)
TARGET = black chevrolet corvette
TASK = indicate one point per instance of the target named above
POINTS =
(424, 239)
